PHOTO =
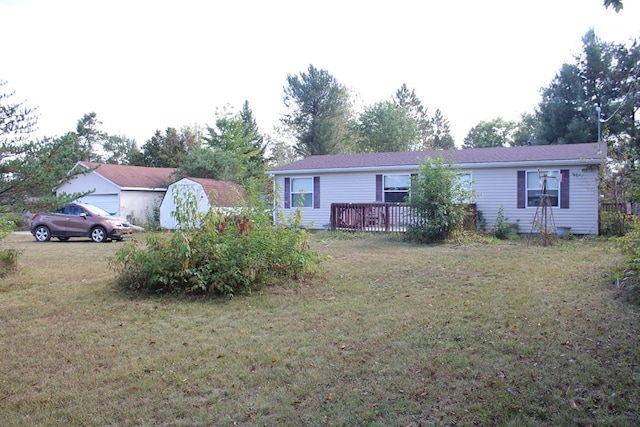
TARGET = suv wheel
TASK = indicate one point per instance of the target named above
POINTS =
(42, 234)
(98, 234)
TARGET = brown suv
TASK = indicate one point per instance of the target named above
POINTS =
(79, 220)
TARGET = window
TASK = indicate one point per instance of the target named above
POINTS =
(535, 183)
(396, 188)
(302, 192)
(465, 182)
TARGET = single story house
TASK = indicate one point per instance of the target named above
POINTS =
(207, 193)
(128, 191)
(501, 177)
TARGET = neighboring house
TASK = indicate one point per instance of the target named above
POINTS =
(507, 177)
(128, 191)
(207, 192)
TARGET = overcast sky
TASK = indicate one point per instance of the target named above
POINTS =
(144, 65)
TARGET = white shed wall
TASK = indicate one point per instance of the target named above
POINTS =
(168, 206)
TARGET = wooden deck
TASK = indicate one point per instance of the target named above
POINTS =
(379, 217)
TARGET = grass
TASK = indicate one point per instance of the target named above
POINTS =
(501, 333)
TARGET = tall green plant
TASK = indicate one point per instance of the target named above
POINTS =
(217, 254)
(437, 202)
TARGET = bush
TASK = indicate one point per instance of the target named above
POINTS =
(615, 223)
(629, 245)
(501, 228)
(224, 255)
(438, 199)
(8, 261)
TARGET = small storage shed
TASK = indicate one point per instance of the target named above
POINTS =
(209, 193)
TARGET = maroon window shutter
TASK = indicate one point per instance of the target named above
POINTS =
(564, 189)
(522, 189)
(378, 188)
(316, 192)
(287, 193)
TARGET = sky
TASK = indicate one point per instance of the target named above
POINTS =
(143, 66)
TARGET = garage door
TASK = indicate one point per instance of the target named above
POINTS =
(108, 202)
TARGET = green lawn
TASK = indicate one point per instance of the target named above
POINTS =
(388, 334)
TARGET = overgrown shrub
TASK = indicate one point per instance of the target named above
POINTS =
(502, 228)
(629, 245)
(615, 223)
(438, 202)
(217, 254)
(7, 225)
(8, 261)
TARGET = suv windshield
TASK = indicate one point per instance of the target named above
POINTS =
(94, 210)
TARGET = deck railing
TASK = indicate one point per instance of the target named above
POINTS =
(380, 217)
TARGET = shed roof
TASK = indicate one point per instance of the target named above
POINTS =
(222, 193)
(133, 176)
(588, 153)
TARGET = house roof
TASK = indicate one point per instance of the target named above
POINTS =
(474, 157)
(125, 176)
(222, 193)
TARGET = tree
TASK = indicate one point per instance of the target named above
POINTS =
(36, 171)
(121, 150)
(385, 127)
(236, 139)
(442, 132)
(28, 169)
(408, 99)
(604, 77)
(524, 132)
(204, 162)
(493, 133)
(438, 199)
(281, 148)
(255, 156)
(319, 112)
(90, 137)
(615, 4)
(170, 149)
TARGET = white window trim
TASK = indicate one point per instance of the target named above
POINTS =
(310, 192)
(385, 191)
(558, 174)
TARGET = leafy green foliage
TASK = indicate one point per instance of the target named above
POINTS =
(8, 261)
(319, 112)
(615, 223)
(385, 127)
(442, 132)
(437, 201)
(615, 4)
(90, 137)
(603, 75)
(6, 226)
(629, 245)
(493, 133)
(235, 149)
(408, 99)
(502, 228)
(31, 169)
(215, 254)
(168, 150)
